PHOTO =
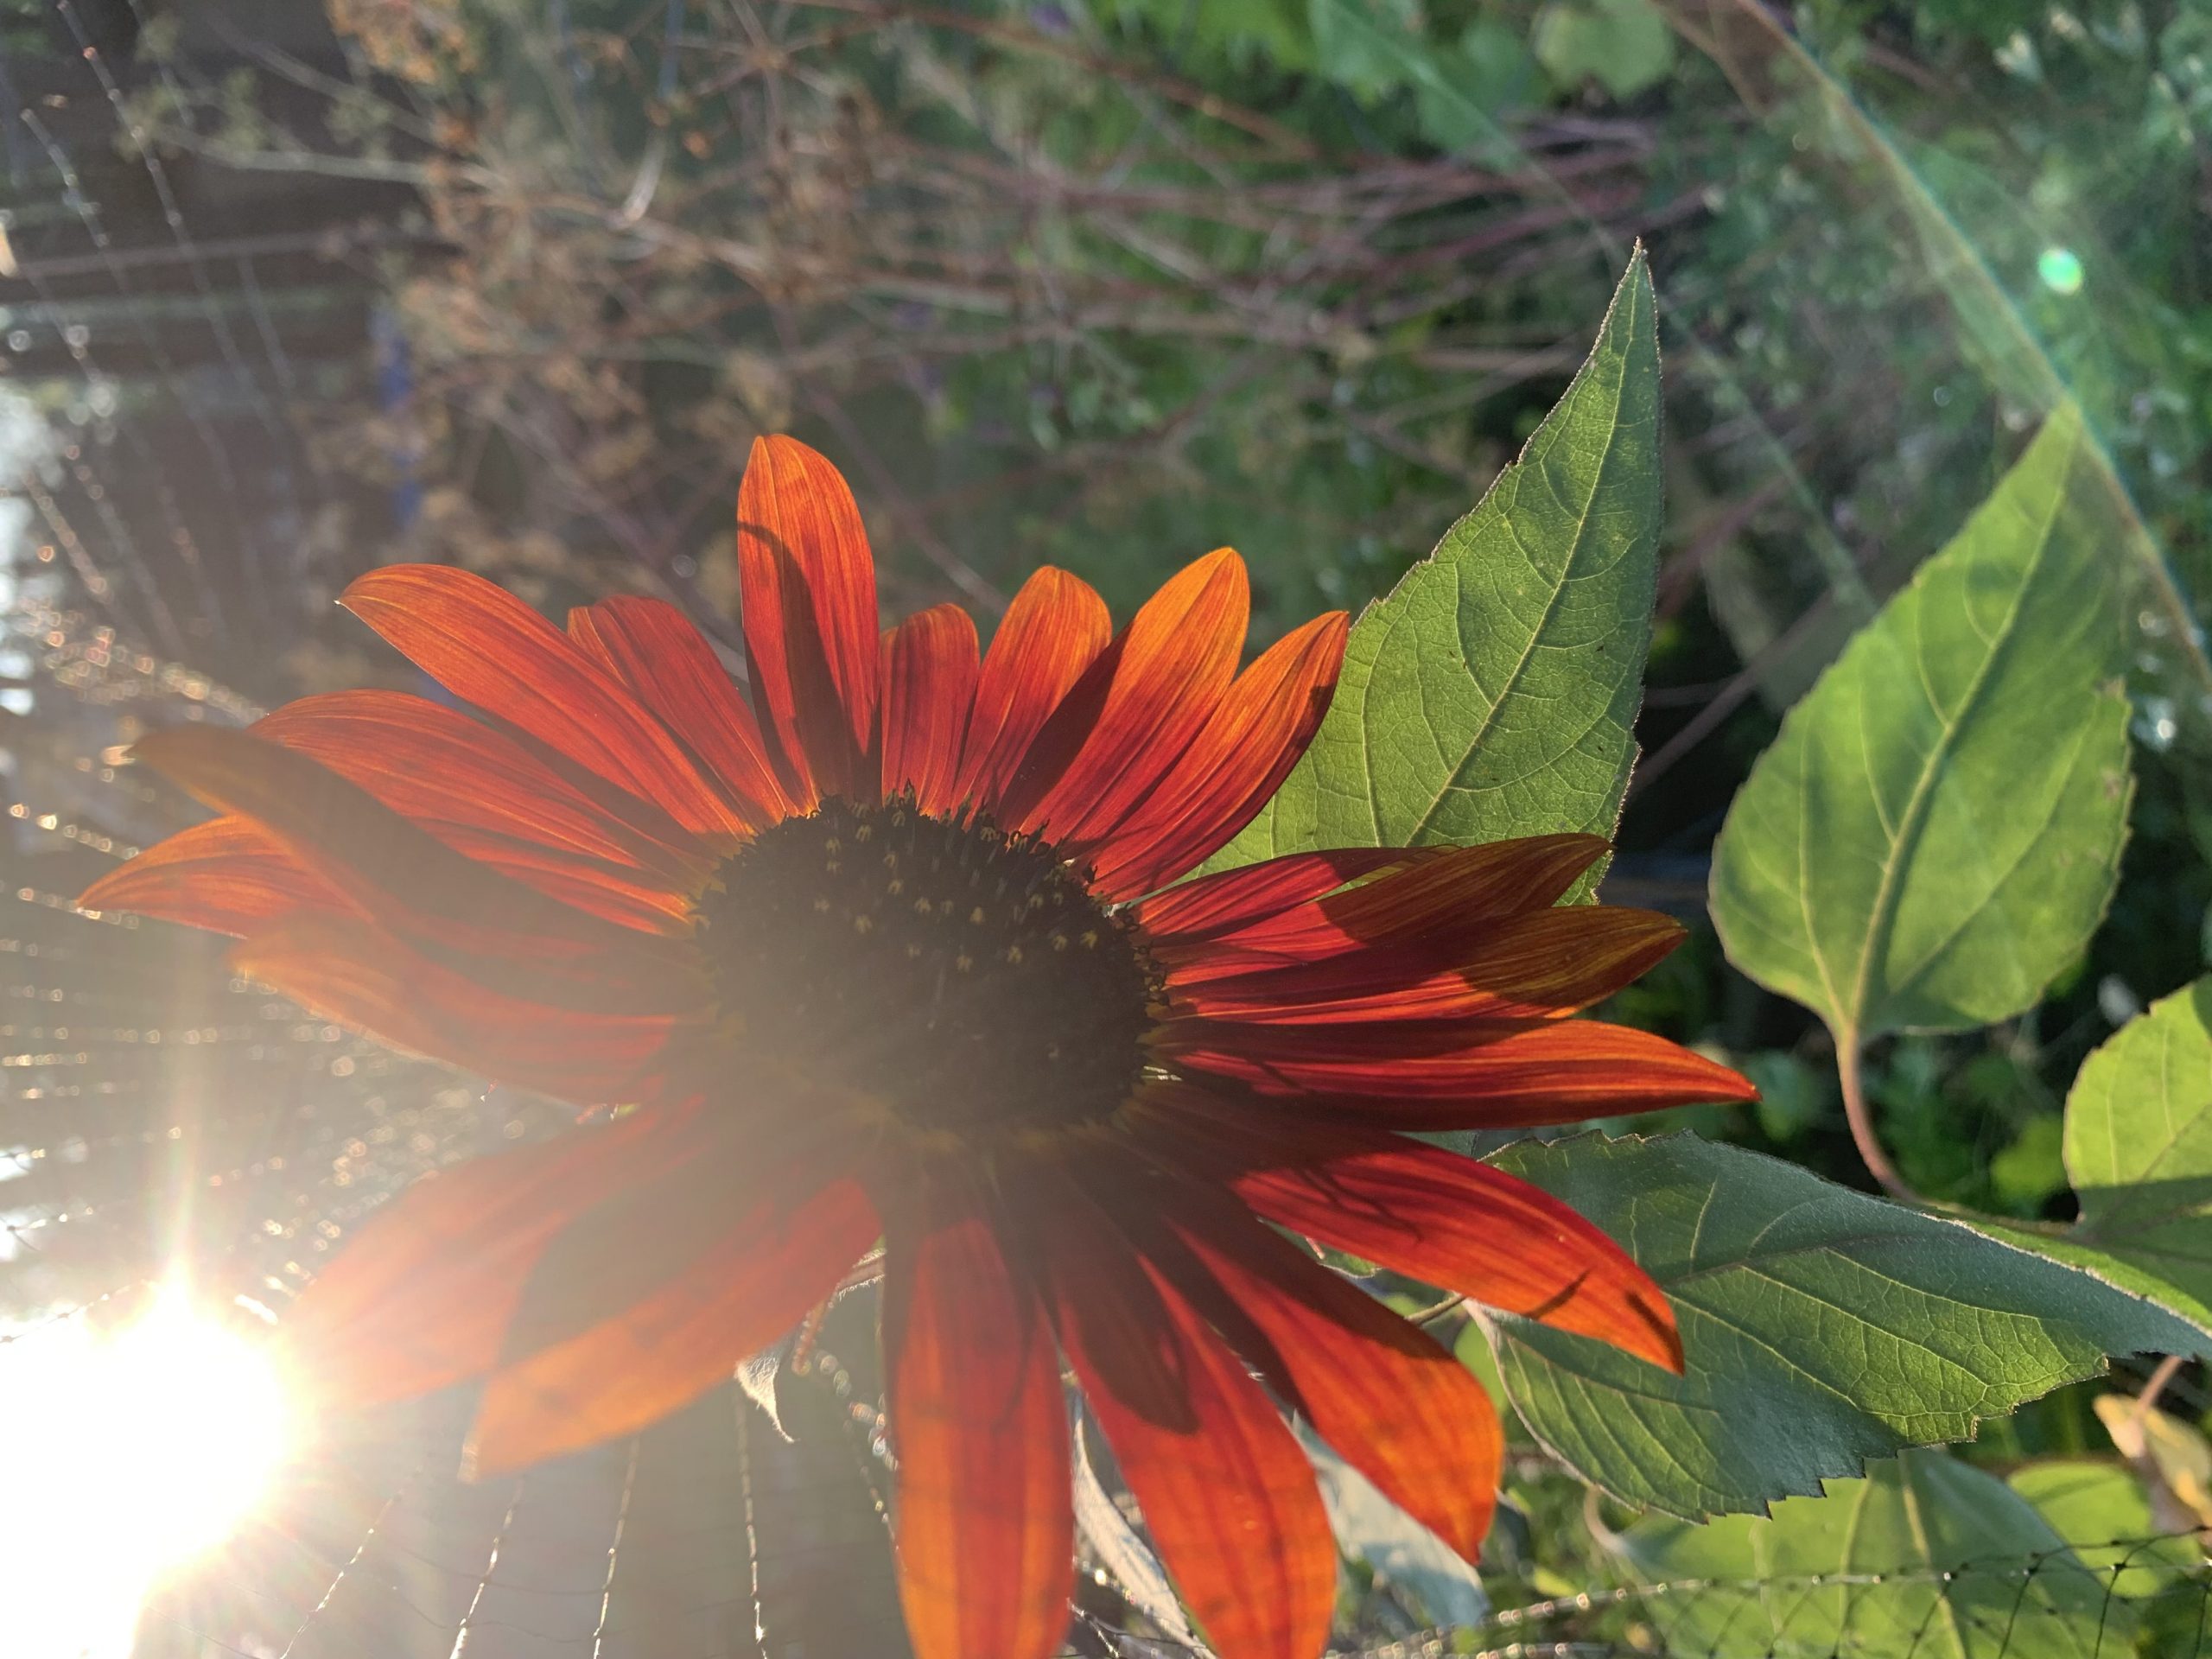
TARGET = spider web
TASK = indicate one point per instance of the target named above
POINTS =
(191, 327)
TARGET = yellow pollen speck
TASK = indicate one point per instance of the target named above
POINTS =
(832, 866)
(833, 846)
(964, 963)
(866, 832)
(822, 905)
(913, 953)
(922, 905)
(1014, 953)
(1090, 938)
(863, 924)
(1059, 941)
(976, 916)
(896, 887)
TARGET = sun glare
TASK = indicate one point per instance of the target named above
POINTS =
(130, 1452)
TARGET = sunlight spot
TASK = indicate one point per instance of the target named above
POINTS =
(2060, 271)
(131, 1451)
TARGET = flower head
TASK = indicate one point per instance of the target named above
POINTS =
(895, 948)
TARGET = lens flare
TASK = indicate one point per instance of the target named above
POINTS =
(130, 1452)
(2059, 270)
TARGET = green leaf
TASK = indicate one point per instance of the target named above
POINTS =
(1463, 92)
(2138, 1143)
(1936, 832)
(1493, 693)
(2138, 1151)
(1624, 45)
(1927, 1557)
(2102, 1512)
(2060, 1245)
(1822, 1327)
(1369, 48)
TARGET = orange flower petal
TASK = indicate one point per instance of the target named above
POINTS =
(1440, 904)
(1540, 965)
(1053, 631)
(485, 796)
(1137, 707)
(1227, 1492)
(809, 586)
(1415, 1074)
(488, 648)
(678, 1340)
(420, 1296)
(666, 663)
(1434, 1215)
(1207, 906)
(434, 762)
(348, 971)
(929, 670)
(986, 1546)
(226, 876)
(1236, 764)
(1396, 1405)
(416, 888)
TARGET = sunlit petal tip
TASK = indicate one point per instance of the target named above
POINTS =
(1139, 707)
(1232, 766)
(1051, 633)
(1434, 1215)
(492, 651)
(807, 582)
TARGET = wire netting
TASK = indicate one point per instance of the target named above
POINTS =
(283, 300)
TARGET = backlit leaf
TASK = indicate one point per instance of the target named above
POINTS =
(1492, 694)
(2138, 1151)
(2139, 1142)
(2100, 1509)
(1936, 832)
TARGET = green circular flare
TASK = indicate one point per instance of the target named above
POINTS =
(2060, 271)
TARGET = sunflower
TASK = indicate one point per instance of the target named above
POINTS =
(895, 951)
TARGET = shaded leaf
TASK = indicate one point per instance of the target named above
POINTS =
(1936, 832)
(1822, 1327)
(2060, 1245)
(1935, 1559)
(1493, 693)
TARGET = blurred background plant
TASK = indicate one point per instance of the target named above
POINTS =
(288, 295)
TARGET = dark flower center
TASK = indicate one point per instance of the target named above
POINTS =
(964, 976)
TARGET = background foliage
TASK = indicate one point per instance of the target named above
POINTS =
(1105, 285)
